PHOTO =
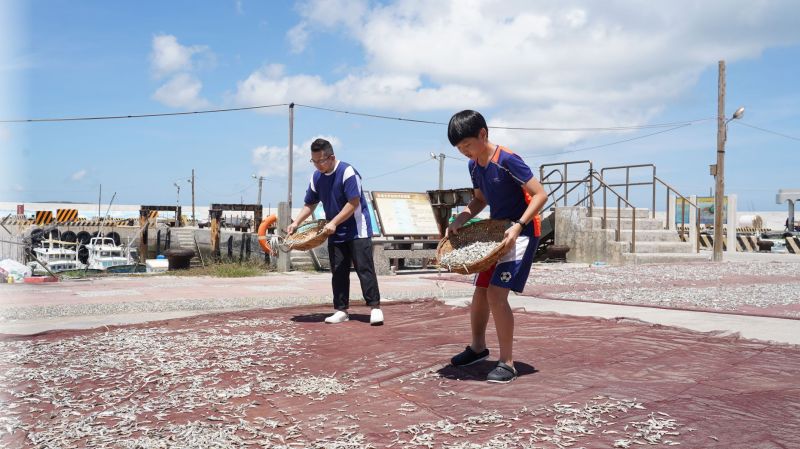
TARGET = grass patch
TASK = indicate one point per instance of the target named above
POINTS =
(225, 270)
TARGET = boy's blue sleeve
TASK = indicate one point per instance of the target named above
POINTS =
(518, 168)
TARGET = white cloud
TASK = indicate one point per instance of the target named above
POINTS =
(168, 56)
(78, 175)
(270, 85)
(239, 7)
(181, 91)
(559, 64)
(273, 161)
(298, 37)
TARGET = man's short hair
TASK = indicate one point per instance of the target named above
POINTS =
(321, 145)
(467, 123)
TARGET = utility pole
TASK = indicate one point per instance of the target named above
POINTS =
(291, 153)
(260, 182)
(719, 168)
(194, 220)
(440, 158)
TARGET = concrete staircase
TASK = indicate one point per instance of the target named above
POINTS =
(184, 239)
(302, 260)
(589, 242)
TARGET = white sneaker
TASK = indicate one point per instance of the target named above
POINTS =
(338, 317)
(376, 317)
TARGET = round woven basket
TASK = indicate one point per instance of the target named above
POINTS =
(306, 237)
(481, 231)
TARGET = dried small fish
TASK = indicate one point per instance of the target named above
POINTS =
(467, 254)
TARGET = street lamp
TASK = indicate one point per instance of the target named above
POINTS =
(260, 182)
(177, 204)
(440, 158)
(719, 174)
(191, 181)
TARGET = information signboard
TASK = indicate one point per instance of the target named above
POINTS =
(705, 206)
(405, 213)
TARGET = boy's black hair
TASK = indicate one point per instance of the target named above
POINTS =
(321, 145)
(467, 123)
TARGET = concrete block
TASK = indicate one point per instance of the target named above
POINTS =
(156, 265)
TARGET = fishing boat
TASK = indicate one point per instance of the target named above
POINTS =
(56, 256)
(102, 253)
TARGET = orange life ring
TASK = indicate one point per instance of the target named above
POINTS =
(262, 232)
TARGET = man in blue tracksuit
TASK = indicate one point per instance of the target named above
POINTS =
(338, 186)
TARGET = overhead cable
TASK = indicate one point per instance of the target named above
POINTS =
(513, 128)
(400, 169)
(341, 111)
(129, 116)
(739, 122)
(610, 143)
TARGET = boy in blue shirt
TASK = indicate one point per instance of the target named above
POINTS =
(338, 186)
(503, 181)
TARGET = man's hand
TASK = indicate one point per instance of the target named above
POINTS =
(452, 228)
(329, 228)
(291, 228)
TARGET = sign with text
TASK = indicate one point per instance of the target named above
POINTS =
(705, 206)
(405, 213)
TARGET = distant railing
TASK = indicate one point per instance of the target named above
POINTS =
(618, 231)
(627, 184)
(683, 212)
(594, 181)
(562, 168)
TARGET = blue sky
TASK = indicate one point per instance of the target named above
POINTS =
(572, 64)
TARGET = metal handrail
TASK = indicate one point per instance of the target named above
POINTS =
(599, 177)
(618, 233)
(565, 176)
(620, 199)
(567, 192)
(559, 184)
(686, 201)
(628, 182)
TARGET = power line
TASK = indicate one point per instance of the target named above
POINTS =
(739, 122)
(512, 128)
(610, 128)
(364, 114)
(361, 114)
(612, 143)
(400, 169)
(129, 116)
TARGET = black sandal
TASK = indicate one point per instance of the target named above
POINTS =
(502, 374)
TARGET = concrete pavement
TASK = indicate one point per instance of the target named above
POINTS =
(779, 330)
(28, 309)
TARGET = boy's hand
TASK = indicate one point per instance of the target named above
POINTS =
(510, 237)
(329, 228)
(291, 228)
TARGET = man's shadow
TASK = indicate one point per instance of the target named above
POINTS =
(478, 371)
(310, 318)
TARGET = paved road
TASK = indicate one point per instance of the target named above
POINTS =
(27, 309)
